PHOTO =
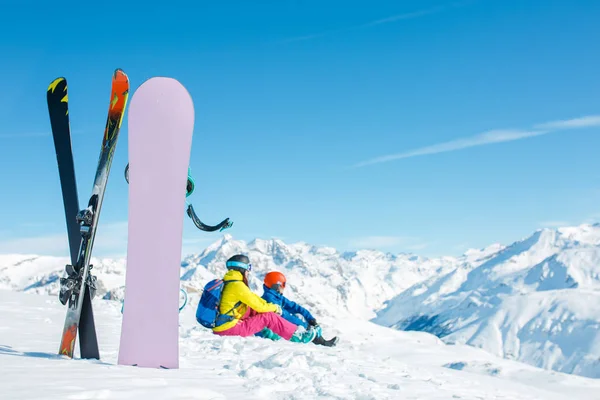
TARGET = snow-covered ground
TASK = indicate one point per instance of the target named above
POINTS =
(536, 300)
(370, 362)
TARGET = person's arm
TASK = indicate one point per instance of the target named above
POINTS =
(252, 300)
(295, 308)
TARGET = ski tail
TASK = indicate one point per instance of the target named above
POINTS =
(88, 340)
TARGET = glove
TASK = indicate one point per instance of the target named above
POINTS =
(312, 322)
(279, 310)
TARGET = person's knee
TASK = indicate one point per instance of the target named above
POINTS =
(272, 316)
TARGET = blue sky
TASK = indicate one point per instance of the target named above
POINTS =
(409, 126)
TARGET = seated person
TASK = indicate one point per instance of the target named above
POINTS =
(274, 285)
(244, 313)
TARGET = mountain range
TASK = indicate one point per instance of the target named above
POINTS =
(536, 300)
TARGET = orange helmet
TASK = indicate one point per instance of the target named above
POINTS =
(274, 278)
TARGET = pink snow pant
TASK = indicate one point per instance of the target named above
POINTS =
(253, 322)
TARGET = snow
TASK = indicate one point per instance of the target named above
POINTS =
(537, 301)
(499, 312)
(370, 362)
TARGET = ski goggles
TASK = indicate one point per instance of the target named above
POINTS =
(238, 264)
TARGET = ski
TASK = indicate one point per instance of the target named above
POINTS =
(58, 109)
(79, 280)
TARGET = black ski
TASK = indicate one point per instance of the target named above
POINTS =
(58, 108)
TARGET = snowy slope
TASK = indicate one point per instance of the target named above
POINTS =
(371, 362)
(537, 301)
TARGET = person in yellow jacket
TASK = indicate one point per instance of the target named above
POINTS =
(244, 313)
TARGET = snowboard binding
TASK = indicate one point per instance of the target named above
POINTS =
(189, 189)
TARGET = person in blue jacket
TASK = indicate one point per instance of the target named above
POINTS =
(273, 285)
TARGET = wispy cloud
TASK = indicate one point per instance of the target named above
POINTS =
(51, 245)
(34, 134)
(377, 241)
(583, 122)
(23, 135)
(417, 246)
(35, 224)
(554, 224)
(593, 218)
(110, 241)
(308, 37)
(388, 242)
(458, 144)
(405, 16)
(464, 246)
(490, 137)
(195, 244)
(386, 20)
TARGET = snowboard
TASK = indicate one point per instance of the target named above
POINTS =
(160, 128)
(75, 287)
(58, 109)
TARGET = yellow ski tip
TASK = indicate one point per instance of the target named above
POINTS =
(55, 83)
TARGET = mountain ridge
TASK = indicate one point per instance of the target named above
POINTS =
(522, 301)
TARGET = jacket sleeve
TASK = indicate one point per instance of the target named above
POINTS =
(252, 300)
(295, 308)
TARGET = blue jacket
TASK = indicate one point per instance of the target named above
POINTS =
(288, 307)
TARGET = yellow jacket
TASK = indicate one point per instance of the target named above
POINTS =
(238, 291)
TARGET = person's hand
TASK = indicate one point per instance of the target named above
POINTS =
(312, 322)
(279, 310)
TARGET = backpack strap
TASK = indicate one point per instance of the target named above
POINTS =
(228, 317)
(233, 308)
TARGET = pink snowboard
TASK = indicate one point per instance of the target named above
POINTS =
(160, 125)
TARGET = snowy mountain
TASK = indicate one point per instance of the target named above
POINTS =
(41, 274)
(535, 301)
(331, 283)
(334, 284)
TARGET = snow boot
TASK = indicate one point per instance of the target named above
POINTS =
(304, 336)
(268, 334)
(327, 343)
